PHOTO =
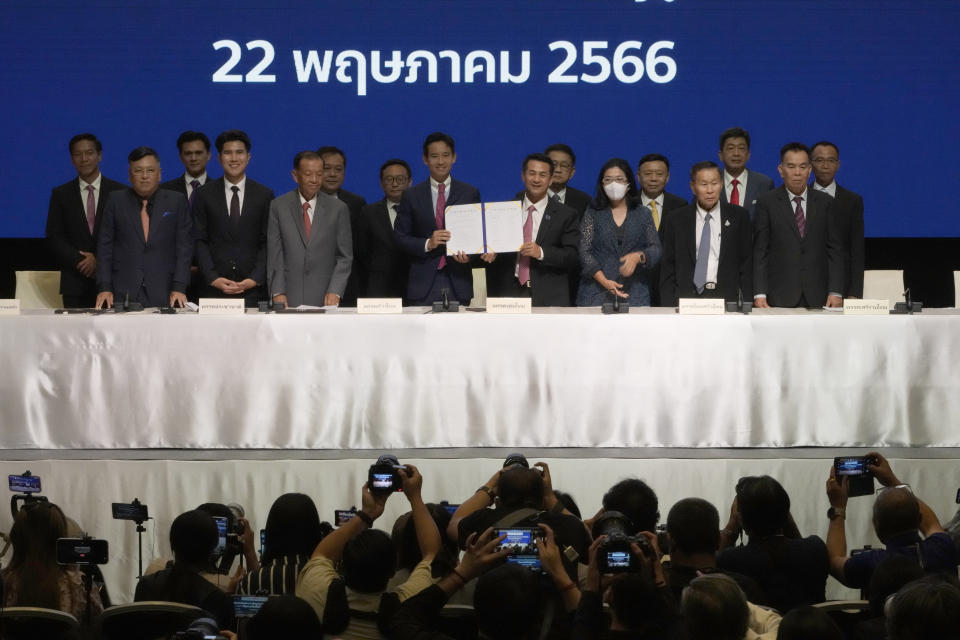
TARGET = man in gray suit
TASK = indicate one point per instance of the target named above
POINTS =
(309, 245)
(740, 185)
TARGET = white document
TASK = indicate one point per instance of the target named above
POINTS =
(465, 224)
(504, 222)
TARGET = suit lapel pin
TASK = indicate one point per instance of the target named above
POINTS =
(727, 223)
(546, 217)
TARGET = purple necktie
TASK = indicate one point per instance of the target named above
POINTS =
(441, 207)
(523, 270)
(194, 185)
(798, 215)
(235, 206)
(91, 208)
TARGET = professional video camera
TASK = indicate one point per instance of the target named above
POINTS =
(615, 555)
(384, 476)
(200, 629)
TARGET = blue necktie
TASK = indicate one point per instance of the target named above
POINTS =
(703, 255)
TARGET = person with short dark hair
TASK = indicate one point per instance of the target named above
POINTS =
(847, 211)
(892, 574)
(284, 618)
(194, 150)
(146, 242)
(707, 245)
(900, 518)
(716, 608)
(193, 537)
(334, 172)
(386, 265)
(420, 232)
(635, 499)
(565, 166)
(924, 609)
(797, 260)
(791, 570)
(74, 220)
(741, 186)
(653, 174)
(230, 226)
(619, 245)
(347, 602)
(806, 623)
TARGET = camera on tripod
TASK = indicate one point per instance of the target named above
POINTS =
(26, 487)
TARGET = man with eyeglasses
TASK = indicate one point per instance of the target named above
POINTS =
(902, 521)
(564, 168)
(146, 240)
(385, 264)
(847, 211)
(797, 259)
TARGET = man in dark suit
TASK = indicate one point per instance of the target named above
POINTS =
(146, 240)
(334, 172)
(73, 221)
(539, 270)
(847, 211)
(797, 260)
(653, 173)
(385, 264)
(230, 225)
(564, 167)
(740, 185)
(420, 233)
(707, 246)
(194, 150)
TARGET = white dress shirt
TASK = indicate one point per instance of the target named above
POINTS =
(830, 189)
(741, 185)
(713, 260)
(562, 194)
(803, 202)
(96, 191)
(313, 205)
(392, 212)
(434, 194)
(538, 210)
(228, 191)
(202, 179)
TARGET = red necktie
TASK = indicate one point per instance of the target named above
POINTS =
(145, 221)
(306, 220)
(798, 215)
(91, 208)
(441, 207)
(735, 194)
(523, 270)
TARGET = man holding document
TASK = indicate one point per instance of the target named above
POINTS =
(551, 236)
(421, 232)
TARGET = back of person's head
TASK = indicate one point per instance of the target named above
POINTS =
(634, 602)
(217, 510)
(369, 561)
(925, 609)
(404, 537)
(889, 577)
(193, 537)
(519, 486)
(568, 503)
(694, 526)
(636, 500)
(764, 505)
(808, 623)
(286, 617)
(896, 510)
(36, 528)
(508, 603)
(715, 608)
(293, 527)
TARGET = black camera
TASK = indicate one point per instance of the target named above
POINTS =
(516, 460)
(130, 511)
(859, 476)
(82, 551)
(384, 476)
(615, 554)
(343, 516)
(200, 629)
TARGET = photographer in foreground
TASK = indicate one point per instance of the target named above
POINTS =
(899, 519)
(348, 602)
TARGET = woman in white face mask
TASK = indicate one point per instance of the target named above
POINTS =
(619, 244)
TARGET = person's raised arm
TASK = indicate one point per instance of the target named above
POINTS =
(880, 467)
(837, 492)
(428, 536)
(332, 546)
(483, 498)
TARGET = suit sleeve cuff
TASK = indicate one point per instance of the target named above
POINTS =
(757, 296)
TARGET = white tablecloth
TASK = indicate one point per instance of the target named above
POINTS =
(574, 379)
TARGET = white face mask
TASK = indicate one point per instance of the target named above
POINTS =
(615, 190)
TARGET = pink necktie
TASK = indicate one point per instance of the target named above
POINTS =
(798, 215)
(91, 208)
(523, 270)
(441, 207)
(735, 194)
(306, 220)
(145, 221)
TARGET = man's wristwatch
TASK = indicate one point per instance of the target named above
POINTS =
(836, 512)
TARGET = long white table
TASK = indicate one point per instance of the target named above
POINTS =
(559, 378)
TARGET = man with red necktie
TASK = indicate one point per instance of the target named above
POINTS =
(741, 186)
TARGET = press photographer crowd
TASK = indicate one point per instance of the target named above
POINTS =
(515, 560)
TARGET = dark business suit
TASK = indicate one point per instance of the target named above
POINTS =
(228, 251)
(670, 203)
(68, 234)
(385, 264)
(559, 237)
(734, 270)
(757, 184)
(790, 269)
(356, 283)
(416, 222)
(847, 211)
(197, 286)
(578, 200)
(146, 271)
(177, 184)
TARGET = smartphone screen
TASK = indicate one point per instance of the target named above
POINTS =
(522, 542)
(125, 511)
(222, 532)
(263, 541)
(850, 466)
(25, 484)
(247, 606)
(342, 516)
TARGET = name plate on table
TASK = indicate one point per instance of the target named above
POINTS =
(379, 305)
(701, 306)
(866, 307)
(509, 305)
(10, 307)
(221, 307)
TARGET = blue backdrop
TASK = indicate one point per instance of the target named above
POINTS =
(609, 77)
